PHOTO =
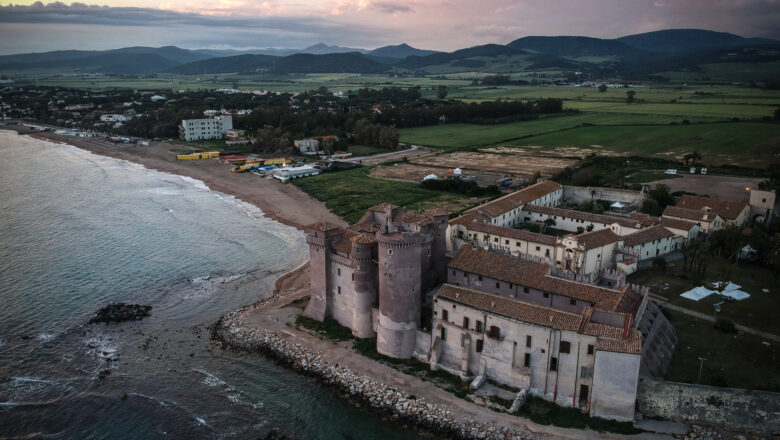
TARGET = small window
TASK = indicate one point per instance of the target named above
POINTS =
(494, 332)
(444, 315)
(565, 347)
(527, 360)
(553, 363)
(573, 302)
(353, 277)
(506, 242)
(495, 240)
(479, 326)
(526, 290)
(546, 295)
(453, 273)
(338, 272)
(583, 372)
(538, 248)
(389, 252)
(528, 341)
(443, 334)
(480, 343)
(465, 322)
(480, 277)
(590, 349)
(498, 285)
(339, 290)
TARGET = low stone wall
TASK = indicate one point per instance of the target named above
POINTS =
(731, 408)
(399, 406)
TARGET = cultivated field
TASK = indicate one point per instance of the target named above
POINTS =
(512, 163)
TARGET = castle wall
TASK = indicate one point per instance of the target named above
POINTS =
(341, 296)
(400, 281)
(319, 269)
(365, 285)
(574, 195)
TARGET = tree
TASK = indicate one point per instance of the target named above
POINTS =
(630, 96)
(659, 263)
(235, 84)
(442, 93)
(602, 88)
(777, 113)
(662, 194)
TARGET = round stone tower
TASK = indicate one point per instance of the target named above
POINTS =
(365, 285)
(400, 276)
(439, 245)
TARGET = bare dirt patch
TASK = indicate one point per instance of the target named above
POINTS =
(721, 187)
(504, 161)
(412, 172)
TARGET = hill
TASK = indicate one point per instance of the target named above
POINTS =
(574, 46)
(328, 63)
(232, 64)
(690, 40)
(323, 49)
(487, 50)
(400, 52)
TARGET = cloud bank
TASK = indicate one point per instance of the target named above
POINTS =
(430, 24)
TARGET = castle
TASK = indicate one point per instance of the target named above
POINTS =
(372, 276)
(516, 320)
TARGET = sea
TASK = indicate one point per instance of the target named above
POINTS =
(79, 231)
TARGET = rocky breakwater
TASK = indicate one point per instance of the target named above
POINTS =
(121, 312)
(386, 400)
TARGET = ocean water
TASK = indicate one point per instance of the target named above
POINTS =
(78, 231)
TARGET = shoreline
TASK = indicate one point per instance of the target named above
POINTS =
(281, 202)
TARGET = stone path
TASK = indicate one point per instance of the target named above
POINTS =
(706, 317)
(277, 317)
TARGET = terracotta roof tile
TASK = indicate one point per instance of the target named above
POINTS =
(533, 274)
(677, 224)
(579, 215)
(727, 209)
(688, 214)
(632, 345)
(504, 204)
(647, 235)
(594, 239)
(644, 219)
(515, 234)
(511, 308)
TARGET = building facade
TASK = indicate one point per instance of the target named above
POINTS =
(202, 129)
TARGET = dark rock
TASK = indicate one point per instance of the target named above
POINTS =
(120, 312)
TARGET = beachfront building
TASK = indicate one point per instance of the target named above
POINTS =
(207, 128)
(514, 321)
(307, 146)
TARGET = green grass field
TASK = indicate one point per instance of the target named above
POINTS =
(734, 360)
(349, 193)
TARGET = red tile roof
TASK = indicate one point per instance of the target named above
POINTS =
(647, 235)
(504, 204)
(727, 209)
(534, 274)
(579, 215)
(632, 345)
(515, 234)
(511, 308)
(594, 239)
(689, 214)
(673, 223)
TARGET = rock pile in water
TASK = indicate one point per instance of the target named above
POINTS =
(120, 312)
(386, 400)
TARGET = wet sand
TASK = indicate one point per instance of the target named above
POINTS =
(282, 202)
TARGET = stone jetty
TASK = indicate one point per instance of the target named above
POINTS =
(120, 312)
(386, 400)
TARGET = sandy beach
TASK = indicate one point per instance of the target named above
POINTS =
(282, 202)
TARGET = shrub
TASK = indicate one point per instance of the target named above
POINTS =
(660, 263)
(725, 325)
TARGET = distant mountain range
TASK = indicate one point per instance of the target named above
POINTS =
(641, 54)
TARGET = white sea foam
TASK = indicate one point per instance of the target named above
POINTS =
(44, 336)
(200, 421)
(195, 182)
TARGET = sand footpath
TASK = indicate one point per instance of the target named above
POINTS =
(282, 202)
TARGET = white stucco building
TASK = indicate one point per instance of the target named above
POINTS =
(208, 128)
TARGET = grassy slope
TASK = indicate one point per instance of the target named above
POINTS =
(349, 193)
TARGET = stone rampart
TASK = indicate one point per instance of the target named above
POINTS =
(731, 408)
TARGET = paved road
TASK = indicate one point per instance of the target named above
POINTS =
(741, 328)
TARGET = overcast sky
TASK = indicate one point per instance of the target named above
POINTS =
(428, 24)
